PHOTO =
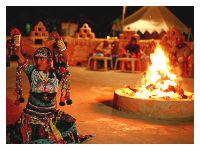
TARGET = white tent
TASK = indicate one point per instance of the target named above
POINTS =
(153, 18)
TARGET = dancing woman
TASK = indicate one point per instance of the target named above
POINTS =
(41, 121)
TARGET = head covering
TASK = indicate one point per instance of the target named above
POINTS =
(43, 52)
(133, 39)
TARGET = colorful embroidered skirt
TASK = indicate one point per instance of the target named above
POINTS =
(60, 128)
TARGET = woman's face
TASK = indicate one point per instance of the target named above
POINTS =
(41, 63)
(133, 42)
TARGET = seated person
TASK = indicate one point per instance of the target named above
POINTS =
(103, 49)
(115, 51)
(191, 64)
(182, 51)
(132, 49)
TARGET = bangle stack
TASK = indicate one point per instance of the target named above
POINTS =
(61, 45)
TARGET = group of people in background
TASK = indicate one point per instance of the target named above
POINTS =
(106, 49)
(180, 55)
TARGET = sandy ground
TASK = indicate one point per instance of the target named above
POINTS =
(92, 95)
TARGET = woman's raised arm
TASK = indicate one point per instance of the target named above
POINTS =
(16, 35)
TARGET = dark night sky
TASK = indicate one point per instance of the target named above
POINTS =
(99, 18)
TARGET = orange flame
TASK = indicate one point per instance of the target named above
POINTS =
(158, 77)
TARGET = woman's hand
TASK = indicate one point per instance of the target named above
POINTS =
(133, 55)
(16, 36)
(17, 48)
(61, 45)
(17, 45)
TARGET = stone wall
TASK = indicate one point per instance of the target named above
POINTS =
(79, 49)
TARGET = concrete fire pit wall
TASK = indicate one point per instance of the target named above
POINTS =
(154, 108)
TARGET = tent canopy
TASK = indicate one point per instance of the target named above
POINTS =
(153, 18)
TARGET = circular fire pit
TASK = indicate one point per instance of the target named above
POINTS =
(158, 108)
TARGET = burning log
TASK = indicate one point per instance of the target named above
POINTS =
(151, 87)
(132, 89)
(180, 91)
(170, 89)
(176, 89)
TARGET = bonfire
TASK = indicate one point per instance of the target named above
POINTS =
(159, 81)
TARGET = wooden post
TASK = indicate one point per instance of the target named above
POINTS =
(123, 15)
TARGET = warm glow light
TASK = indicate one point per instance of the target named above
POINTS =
(158, 77)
